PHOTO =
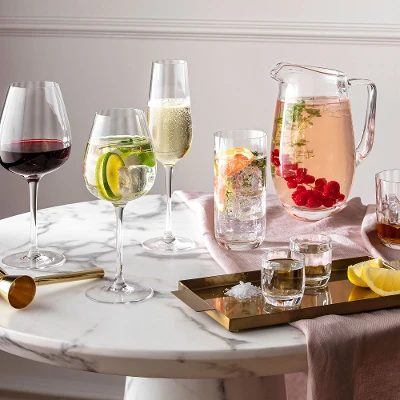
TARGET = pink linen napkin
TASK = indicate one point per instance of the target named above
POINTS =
(350, 357)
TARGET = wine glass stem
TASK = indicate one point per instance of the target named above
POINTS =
(119, 281)
(33, 189)
(168, 236)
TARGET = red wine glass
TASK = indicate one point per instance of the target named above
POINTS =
(35, 139)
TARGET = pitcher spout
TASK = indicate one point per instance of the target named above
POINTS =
(283, 71)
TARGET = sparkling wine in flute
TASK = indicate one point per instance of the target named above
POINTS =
(170, 124)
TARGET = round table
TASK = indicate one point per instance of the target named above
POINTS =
(158, 338)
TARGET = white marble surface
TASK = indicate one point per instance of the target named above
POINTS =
(161, 337)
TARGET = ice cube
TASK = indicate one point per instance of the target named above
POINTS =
(248, 208)
(133, 180)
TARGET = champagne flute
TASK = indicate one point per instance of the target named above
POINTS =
(170, 123)
(35, 139)
(119, 166)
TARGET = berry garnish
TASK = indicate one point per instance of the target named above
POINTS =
(332, 189)
(320, 184)
(301, 188)
(290, 175)
(300, 199)
(301, 171)
(276, 162)
(275, 153)
(340, 197)
(309, 179)
(292, 184)
(313, 201)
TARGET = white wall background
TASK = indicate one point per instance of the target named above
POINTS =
(101, 51)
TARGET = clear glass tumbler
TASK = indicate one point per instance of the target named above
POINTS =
(240, 188)
(317, 250)
(282, 277)
(388, 207)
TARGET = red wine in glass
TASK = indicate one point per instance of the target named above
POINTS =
(34, 157)
(35, 139)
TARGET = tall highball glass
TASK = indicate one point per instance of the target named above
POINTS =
(119, 167)
(170, 123)
(35, 139)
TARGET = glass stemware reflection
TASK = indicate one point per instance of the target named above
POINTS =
(170, 122)
(119, 167)
(35, 139)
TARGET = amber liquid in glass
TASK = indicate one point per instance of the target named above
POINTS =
(389, 233)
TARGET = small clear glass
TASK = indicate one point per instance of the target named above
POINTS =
(388, 207)
(282, 277)
(317, 250)
(240, 188)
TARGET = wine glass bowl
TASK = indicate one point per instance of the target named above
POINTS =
(119, 166)
(170, 122)
(35, 139)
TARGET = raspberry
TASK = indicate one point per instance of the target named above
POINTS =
(309, 179)
(276, 162)
(275, 153)
(292, 184)
(320, 184)
(332, 189)
(302, 171)
(290, 175)
(301, 188)
(341, 197)
(300, 199)
(328, 202)
(313, 202)
(318, 195)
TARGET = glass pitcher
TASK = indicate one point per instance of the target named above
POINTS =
(313, 154)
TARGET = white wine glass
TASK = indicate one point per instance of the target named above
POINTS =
(170, 122)
(119, 167)
(35, 140)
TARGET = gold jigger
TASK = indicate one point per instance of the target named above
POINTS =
(20, 290)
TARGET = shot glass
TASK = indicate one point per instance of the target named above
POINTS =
(240, 158)
(282, 277)
(388, 207)
(317, 250)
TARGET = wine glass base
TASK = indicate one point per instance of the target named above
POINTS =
(130, 293)
(46, 260)
(175, 245)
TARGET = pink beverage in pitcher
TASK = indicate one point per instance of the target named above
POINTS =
(313, 156)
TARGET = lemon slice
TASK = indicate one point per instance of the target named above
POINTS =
(107, 167)
(354, 272)
(382, 281)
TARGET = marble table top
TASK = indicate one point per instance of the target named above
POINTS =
(160, 337)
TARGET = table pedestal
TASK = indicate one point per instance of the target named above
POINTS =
(264, 388)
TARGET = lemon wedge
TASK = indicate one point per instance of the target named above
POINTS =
(354, 272)
(382, 281)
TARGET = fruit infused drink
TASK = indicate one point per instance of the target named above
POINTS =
(239, 195)
(312, 155)
(119, 168)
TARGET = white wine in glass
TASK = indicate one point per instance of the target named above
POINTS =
(170, 122)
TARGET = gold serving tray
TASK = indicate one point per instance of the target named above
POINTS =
(340, 297)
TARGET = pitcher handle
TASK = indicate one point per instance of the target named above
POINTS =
(367, 139)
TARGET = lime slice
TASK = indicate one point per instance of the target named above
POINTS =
(107, 167)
